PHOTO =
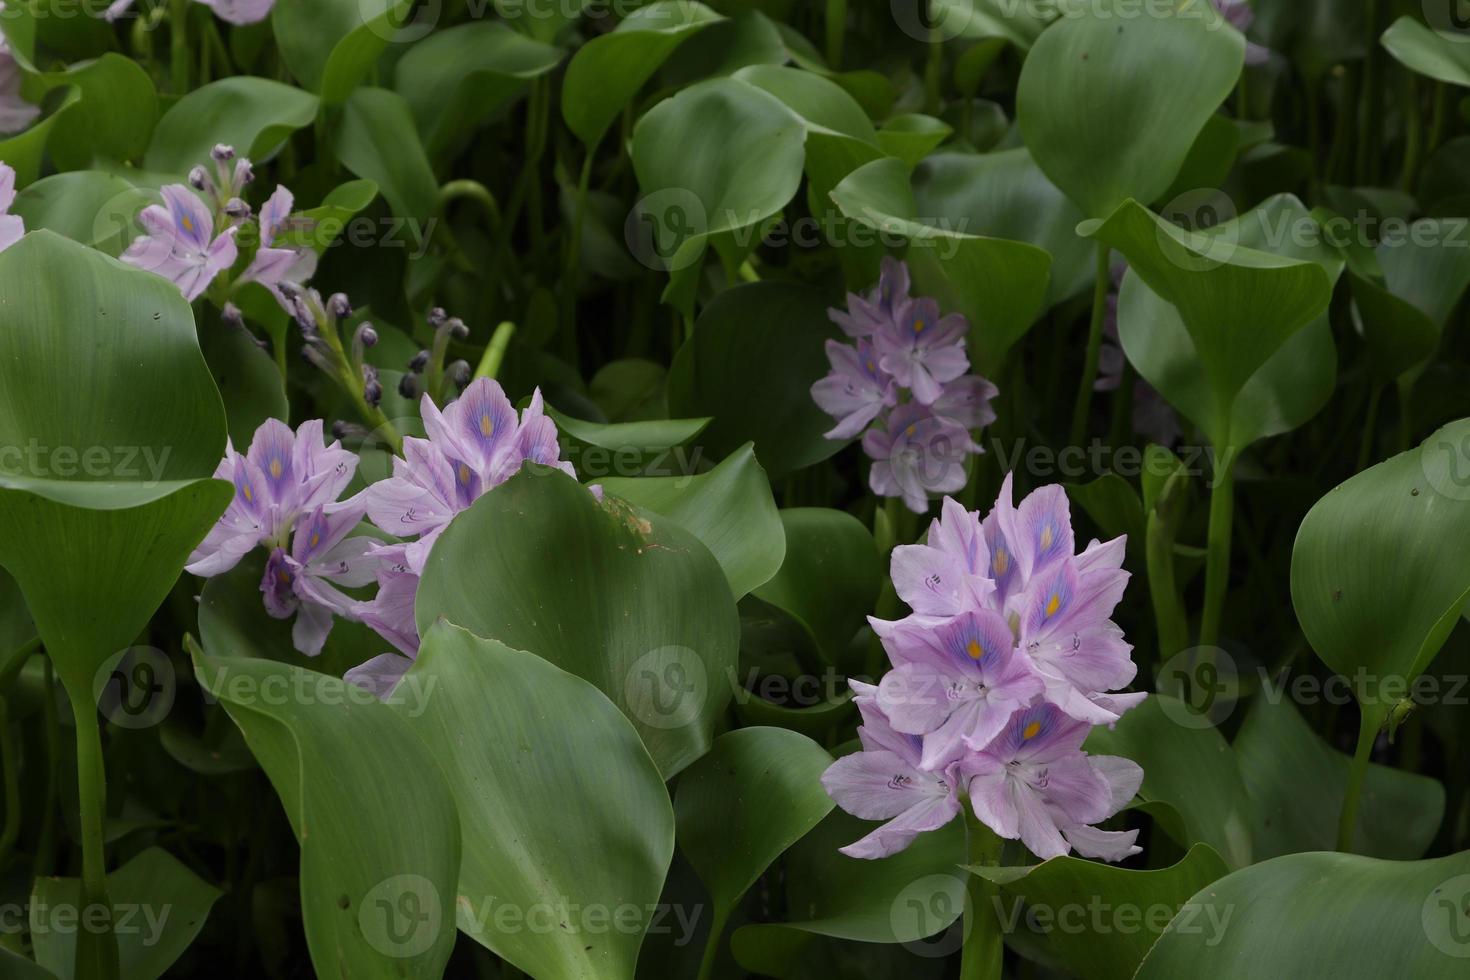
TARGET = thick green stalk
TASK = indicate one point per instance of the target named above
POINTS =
(984, 947)
(10, 759)
(1372, 718)
(1094, 345)
(1217, 557)
(836, 27)
(1370, 427)
(1163, 587)
(96, 952)
(495, 351)
(712, 944)
(178, 32)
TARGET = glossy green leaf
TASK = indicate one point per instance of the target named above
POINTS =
(1238, 306)
(696, 183)
(1135, 907)
(1397, 334)
(757, 792)
(1100, 106)
(114, 117)
(1428, 268)
(17, 967)
(159, 907)
(914, 894)
(1296, 784)
(561, 810)
(626, 449)
(748, 37)
(1020, 24)
(622, 598)
(1376, 577)
(952, 263)
(378, 141)
(247, 378)
(105, 486)
(829, 579)
(25, 152)
(457, 77)
(911, 137)
(725, 371)
(1440, 55)
(1005, 195)
(87, 206)
(370, 807)
(1113, 505)
(1323, 915)
(730, 509)
(607, 72)
(1188, 765)
(331, 45)
(254, 115)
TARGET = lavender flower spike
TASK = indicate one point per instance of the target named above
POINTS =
(273, 266)
(181, 244)
(918, 456)
(304, 581)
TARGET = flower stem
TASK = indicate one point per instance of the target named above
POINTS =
(11, 763)
(713, 943)
(1371, 720)
(97, 952)
(1094, 345)
(836, 26)
(495, 350)
(1163, 586)
(1217, 557)
(178, 30)
(1370, 425)
(984, 948)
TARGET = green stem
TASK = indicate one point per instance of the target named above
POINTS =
(1217, 556)
(1413, 137)
(574, 244)
(1439, 116)
(99, 954)
(836, 27)
(984, 948)
(495, 350)
(9, 759)
(1370, 136)
(1163, 587)
(45, 847)
(933, 74)
(1094, 345)
(1370, 425)
(1406, 415)
(712, 944)
(1371, 720)
(178, 20)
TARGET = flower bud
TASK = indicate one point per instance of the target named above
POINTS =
(200, 180)
(339, 306)
(457, 329)
(222, 153)
(459, 373)
(237, 209)
(372, 388)
(366, 335)
(419, 362)
(231, 317)
(437, 316)
(408, 386)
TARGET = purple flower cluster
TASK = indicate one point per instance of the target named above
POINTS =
(286, 490)
(905, 376)
(191, 236)
(1003, 668)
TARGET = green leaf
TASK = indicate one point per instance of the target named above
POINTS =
(331, 45)
(87, 206)
(247, 378)
(622, 598)
(756, 792)
(951, 264)
(1322, 915)
(1188, 765)
(114, 117)
(1397, 334)
(254, 115)
(26, 151)
(624, 449)
(101, 517)
(377, 141)
(1239, 306)
(909, 896)
(1100, 106)
(730, 509)
(1376, 577)
(748, 37)
(1296, 783)
(608, 71)
(1020, 24)
(697, 183)
(561, 810)
(726, 371)
(1136, 905)
(1427, 268)
(163, 903)
(456, 78)
(829, 579)
(370, 807)
(329, 219)
(17, 967)
(1005, 195)
(1113, 505)
(912, 136)
(1440, 55)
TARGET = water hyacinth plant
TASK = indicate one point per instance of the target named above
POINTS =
(718, 491)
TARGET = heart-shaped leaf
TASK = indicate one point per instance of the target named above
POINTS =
(254, 115)
(377, 140)
(1440, 55)
(87, 206)
(1099, 105)
(561, 810)
(622, 598)
(331, 45)
(370, 807)
(730, 509)
(114, 117)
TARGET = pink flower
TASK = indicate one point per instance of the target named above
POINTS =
(181, 244)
